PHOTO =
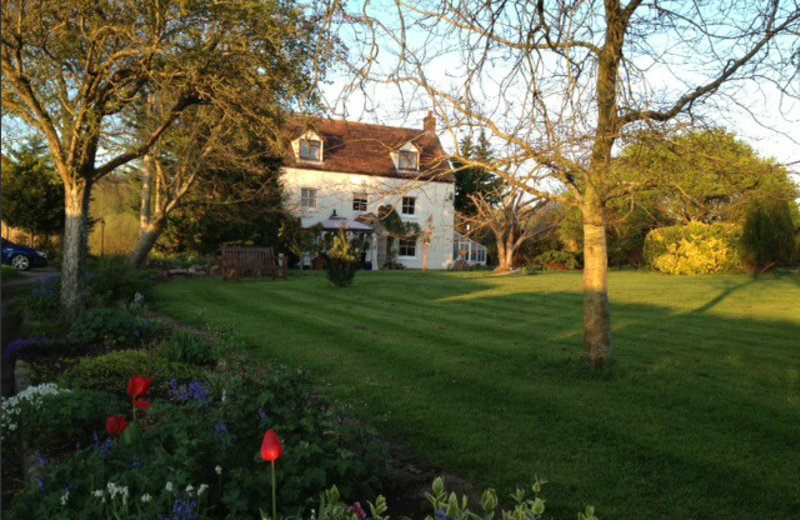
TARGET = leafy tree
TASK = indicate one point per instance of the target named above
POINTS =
(475, 181)
(768, 237)
(220, 166)
(32, 194)
(299, 240)
(228, 206)
(78, 72)
(701, 176)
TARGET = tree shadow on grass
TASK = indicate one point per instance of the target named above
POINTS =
(697, 419)
(722, 296)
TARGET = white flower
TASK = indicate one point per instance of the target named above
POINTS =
(146, 498)
(169, 487)
(31, 396)
(64, 498)
(115, 490)
(99, 493)
(202, 489)
(218, 469)
(189, 488)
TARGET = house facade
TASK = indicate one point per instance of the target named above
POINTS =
(347, 171)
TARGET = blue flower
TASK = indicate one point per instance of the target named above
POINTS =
(223, 434)
(182, 510)
(47, 287)
(40, 458)
(195, 392)
(22, 344)
(106, 448)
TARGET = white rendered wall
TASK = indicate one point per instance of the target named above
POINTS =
(335, 193)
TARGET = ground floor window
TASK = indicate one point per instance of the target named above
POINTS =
(408, 247)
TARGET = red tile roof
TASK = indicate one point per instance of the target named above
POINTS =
(365, 148)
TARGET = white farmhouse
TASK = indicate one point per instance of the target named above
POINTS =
(344, 170)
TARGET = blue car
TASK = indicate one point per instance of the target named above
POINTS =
(21, 257)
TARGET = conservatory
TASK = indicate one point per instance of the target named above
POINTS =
(468, 250)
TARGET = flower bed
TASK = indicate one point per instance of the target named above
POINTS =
(133, 421)
(193, 447)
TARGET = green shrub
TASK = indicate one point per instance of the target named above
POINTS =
(531, 269)
(112, 371)
(112, 327)
(111, 281)
(44, 416)
(768, 238)
(187, 347)
(342, 261)
(555, 260)
(695, 248)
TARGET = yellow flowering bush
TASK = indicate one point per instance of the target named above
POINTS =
(695, 248)
(342, 261)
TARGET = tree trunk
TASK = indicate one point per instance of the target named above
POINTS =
(147, 192)
(505, 257)
(596, 313)
(147, 240)
(76, 234)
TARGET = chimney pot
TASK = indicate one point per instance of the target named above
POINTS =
(429, 123)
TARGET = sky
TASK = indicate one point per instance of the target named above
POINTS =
(755, 111)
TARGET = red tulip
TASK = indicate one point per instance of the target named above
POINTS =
(139, 386)
(144, 405)
(271, 448)
(116, 425)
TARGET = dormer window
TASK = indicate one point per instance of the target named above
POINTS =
(310, 149)
(408, 160)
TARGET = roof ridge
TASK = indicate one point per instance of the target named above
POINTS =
(361, 123)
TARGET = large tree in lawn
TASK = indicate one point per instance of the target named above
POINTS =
(558, 83)
(76, 70)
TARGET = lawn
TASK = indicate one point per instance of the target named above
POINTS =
(699, 418)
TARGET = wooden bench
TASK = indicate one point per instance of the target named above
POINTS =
(236, 262)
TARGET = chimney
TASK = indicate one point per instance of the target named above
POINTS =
(429, 123)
